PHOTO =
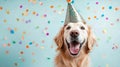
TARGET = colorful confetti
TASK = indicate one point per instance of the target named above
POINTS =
(28, 28)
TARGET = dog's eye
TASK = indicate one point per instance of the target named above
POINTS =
(83, 28)
(68, 27)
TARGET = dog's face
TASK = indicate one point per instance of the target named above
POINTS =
(75, 38)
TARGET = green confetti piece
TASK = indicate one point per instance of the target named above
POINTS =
(48, 22)
(13, 42)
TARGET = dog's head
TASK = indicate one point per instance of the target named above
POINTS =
(75, 38)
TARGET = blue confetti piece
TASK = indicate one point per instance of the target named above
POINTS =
(12, 31)
(102, 15)
(110, 7)
(30, 43)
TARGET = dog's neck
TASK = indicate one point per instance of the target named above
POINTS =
(69, 61)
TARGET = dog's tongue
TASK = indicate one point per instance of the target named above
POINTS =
(74, 49)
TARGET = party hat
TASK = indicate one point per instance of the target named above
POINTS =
(72, 16)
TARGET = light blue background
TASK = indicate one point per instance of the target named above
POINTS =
(106, 52)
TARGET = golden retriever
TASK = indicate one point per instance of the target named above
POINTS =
(74, 42)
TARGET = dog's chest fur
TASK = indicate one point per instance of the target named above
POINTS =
(62, 61)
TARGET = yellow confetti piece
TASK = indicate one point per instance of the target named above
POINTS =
(104, 31)
(33, 61)
(107, 65)
(15, 29)
(89, 18)
(7, 12)
(42, 47)
(4, 20)
(25, 14)
(88, 8)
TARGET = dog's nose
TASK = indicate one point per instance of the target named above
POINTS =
(74, 33)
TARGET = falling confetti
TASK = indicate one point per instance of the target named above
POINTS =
(97, 3)
(21, 6)
(51, 6)
(1, 8)
(110, 7)
(27, 46)
(16, 64)
(21, 52)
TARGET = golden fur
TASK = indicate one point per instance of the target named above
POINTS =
(63, 59)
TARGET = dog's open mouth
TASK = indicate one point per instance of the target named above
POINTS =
(74, 47)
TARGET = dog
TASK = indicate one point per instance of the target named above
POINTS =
(74, 43)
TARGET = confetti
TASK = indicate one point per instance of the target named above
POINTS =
(95, 16)
(27, 46)
(89, 18)
(33, 61)
(14, 42)
(115, 46)
(30, 43)
(48, 22)
(103, 7)
(106, 18)
(4, 20)
(5, 38)
(47, 34)
(16, 64)
(8, 45)
(20, 42)
(6, 52)
(7, 12)
(118, 20)
(102, 15)
(97, 3)
(42, 47)
(45, 15)
(1, 8)
(4, 45)
(12, 31)
(116, 9)
(51, 6)
(33, 53)
(43, 41)
(48, 58)
(110, 7)
(21, 52)
(107, 65)
(69, 1)
(41, 3)
(104, 31)
(21, 6)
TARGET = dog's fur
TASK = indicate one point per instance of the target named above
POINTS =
(64, 58)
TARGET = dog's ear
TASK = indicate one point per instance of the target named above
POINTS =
(59, 39)
(91, 40)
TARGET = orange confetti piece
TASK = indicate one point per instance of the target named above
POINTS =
(69, 1)
(27, 46)
(95, 17)
(21, 52)
(1, 8)
(51, 6)
(103, 7)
